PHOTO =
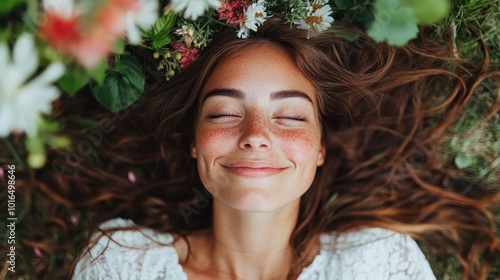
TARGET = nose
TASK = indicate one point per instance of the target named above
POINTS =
(255, 134)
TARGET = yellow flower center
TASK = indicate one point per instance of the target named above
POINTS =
(313, 19)
(317, 6)
(259, 14)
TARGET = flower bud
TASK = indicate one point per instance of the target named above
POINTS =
(156, 55)
(178, 56)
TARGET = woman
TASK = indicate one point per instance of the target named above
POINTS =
(285, 158)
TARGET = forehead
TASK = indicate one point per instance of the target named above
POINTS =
(260, 68)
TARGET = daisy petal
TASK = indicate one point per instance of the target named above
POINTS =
(24, 49)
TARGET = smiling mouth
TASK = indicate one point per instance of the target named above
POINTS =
(254, 172)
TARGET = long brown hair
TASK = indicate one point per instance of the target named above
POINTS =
(382, 126)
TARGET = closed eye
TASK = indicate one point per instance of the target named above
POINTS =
(292, 118)
(221, 115)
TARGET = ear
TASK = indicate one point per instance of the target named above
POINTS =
(193, 150)
(321, 155)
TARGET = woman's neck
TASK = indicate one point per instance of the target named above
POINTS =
(246, 245)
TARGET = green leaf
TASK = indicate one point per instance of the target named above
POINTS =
(429, 11)
(119, 47)
(74, 79)
(159, 42)
(98, 72)
(122, 86)
(363, 18)
(159, 33)
(344, 4)
(394, 23)
(5, 33)
(463, 161)
(47, 126)
(58, 142)
(346, 35)
(7, 6)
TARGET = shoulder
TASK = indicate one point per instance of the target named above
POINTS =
(128, 254)
(376, 253)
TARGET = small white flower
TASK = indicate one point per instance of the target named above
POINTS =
(64, 8)
(187, 33)
(194, 8)
(317, 18)
(22, 102)
(255, 15)
(143, 17)
(243, 32)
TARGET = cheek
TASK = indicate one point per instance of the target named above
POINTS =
(301, 145)
(211, 141)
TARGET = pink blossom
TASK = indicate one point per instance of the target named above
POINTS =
(38, 252)
(2, 174)
(66, 35)
(188, 54)
(61, 31)
(131, 177)
(65, 31)
(93, 48)
(74, 219)
(112, 16)
(233, 11)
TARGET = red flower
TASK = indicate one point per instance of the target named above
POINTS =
(89, 45)
(188, 55)
(60, 31)
(233, 11)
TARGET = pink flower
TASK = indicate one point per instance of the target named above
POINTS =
(233, 11)
(74, 219)
(120, 17)
(67, 30)
(60, 31)
(64, 31)
(2, 174)
(38, 252)
(93, 48)
(131, 177)
(188, 54)
(111, 18)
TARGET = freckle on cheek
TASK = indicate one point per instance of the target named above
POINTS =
(213, 139)
(302, 141)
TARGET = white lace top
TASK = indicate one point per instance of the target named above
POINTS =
(372, 253)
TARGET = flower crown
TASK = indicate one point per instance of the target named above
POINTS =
(76, 38)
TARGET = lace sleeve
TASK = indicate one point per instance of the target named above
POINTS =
(378, 254)
(134, 256)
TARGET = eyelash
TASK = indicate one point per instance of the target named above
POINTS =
(221, 115)
(214, 116)
(294, 118)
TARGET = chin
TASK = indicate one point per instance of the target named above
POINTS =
(255, 201)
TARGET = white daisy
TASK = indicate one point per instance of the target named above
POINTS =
(143, 17)
(194, 8)
(243, 32)
(317, 18)
(255, 15)
(22, 102)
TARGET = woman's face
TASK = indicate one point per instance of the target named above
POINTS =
(258, 134)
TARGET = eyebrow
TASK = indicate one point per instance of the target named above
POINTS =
(276, 95)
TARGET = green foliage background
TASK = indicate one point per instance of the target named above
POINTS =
(474, 148)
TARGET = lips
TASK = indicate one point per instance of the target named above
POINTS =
(254, 169)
